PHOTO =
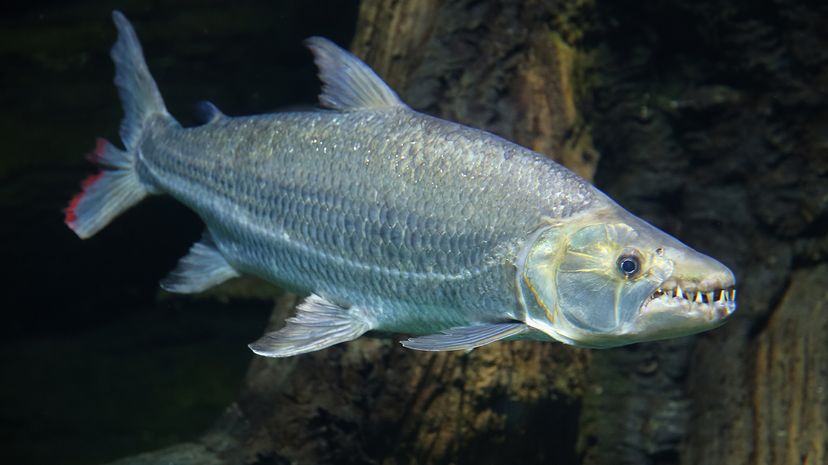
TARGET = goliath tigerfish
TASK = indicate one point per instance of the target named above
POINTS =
(396, 221)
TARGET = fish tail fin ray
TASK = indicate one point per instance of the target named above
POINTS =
(139, 93)
(106, 194)
(318, 324)
(117, 186)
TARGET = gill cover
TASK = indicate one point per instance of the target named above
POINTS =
(574, 276)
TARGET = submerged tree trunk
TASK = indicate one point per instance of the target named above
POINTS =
(710, 130)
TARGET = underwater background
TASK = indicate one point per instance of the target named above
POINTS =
(708, 119)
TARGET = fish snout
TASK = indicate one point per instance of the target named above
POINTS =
(700, 289)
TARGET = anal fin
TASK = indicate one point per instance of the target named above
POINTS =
(318, 324)
(202, 268)
(466, 337)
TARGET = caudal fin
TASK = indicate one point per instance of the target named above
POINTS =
(117, 186)
(106, 194)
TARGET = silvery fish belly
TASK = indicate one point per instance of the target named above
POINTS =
(395, 221)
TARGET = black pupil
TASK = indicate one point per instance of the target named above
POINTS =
(628, 265)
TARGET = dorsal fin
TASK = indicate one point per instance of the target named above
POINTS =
(348, 84)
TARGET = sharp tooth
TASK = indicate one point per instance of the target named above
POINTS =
(709, 297)
(678, 292)
(698, 297)
(722, 295)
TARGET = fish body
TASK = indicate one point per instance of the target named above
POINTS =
(389, 209)
(395, 221)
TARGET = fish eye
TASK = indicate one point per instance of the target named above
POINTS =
(628, 265)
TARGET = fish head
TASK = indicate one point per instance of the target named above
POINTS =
(609, 279)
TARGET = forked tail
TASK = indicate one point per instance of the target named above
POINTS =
(117, 186)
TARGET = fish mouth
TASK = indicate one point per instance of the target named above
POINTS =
(714, 303)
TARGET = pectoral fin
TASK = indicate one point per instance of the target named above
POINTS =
(318, 324)
(466, 337)
(202, 268)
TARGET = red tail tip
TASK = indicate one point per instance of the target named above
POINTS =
(97, 153)
(90, 180)
(70, 211)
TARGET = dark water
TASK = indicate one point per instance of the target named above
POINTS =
(96, 363)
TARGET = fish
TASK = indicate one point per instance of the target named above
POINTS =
(394, 221)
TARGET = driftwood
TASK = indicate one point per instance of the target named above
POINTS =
(714, 164)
